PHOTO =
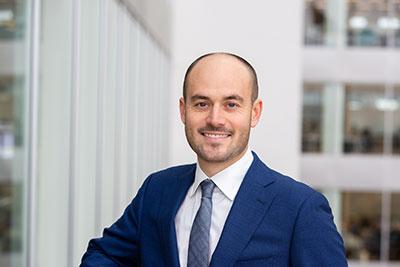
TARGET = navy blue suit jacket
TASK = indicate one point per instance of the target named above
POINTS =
(274, 221)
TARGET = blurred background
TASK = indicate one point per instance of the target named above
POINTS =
(89, 107)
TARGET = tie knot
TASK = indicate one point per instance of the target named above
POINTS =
(207, 187)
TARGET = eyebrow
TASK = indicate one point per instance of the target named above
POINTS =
(230, 97)
(198, 97)
(234, 97)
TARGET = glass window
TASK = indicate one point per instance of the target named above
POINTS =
(11, 19)
(312, 118)
(369, 23)
(11, 180)
(396, 22)
(315, 22)
(394, 254)
(361, 220)
(7, 141)
(364, 117)
(364, 22)
(12, 146)
(396, 121)
(373, 23)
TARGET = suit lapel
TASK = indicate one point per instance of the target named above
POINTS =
(172, 198)
(249, 207)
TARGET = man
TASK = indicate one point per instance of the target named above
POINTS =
(229, 209)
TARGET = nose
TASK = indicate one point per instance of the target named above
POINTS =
(216, 117)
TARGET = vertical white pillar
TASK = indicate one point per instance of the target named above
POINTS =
(73, 128)
(126, 50)
(332, 136)
(32, 112)
(54, 134)
(332, 120)
(119, 108)
(133, 111)
(336, 23)
(109, 111)
(335, 201)
(86, 130)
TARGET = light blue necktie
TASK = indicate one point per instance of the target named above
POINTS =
(199, 242)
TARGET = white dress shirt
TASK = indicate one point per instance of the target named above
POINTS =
(227, 184)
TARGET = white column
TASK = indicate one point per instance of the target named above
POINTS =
(109, 110)
(86, 132)
(332, 120)
(336, 23)
(335, 201)
(53, 137)
(332, 137)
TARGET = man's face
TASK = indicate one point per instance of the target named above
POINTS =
(218, 111)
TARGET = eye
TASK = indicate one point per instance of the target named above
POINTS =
(201, 105)
(232, 105)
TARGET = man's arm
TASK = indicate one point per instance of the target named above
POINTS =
(316, 241)
(119, 245)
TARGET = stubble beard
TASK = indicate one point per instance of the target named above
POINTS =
(233, 150)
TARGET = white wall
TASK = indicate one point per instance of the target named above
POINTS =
(268, 34)
(155, 16)
(351, 172)
(358, 65)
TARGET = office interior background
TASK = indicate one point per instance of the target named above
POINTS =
(89, 107)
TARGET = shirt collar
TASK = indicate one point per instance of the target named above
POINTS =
(227, 180)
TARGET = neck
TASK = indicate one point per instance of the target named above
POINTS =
(212, 168)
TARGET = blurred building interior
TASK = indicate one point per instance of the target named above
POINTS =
(351, 120)
(86, 89)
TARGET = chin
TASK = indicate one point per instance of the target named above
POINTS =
(218, 157)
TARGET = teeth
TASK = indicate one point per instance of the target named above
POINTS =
(215, 135)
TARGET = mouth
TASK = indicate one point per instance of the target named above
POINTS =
(215, 135)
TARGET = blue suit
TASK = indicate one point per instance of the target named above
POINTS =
(274, 221)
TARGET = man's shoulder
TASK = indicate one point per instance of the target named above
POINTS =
(293, 194)
(291, 185)
(288, 188)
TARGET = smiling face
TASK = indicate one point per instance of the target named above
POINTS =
(218, 111)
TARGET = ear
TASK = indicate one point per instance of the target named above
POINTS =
(256, 112)
(182, 109)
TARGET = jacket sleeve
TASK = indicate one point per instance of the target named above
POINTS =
(316, 241)
(119, 245)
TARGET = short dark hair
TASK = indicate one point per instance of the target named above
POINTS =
(253, 74)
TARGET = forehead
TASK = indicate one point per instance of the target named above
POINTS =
(219, 75)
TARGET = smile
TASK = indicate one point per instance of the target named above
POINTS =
(216, 135)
